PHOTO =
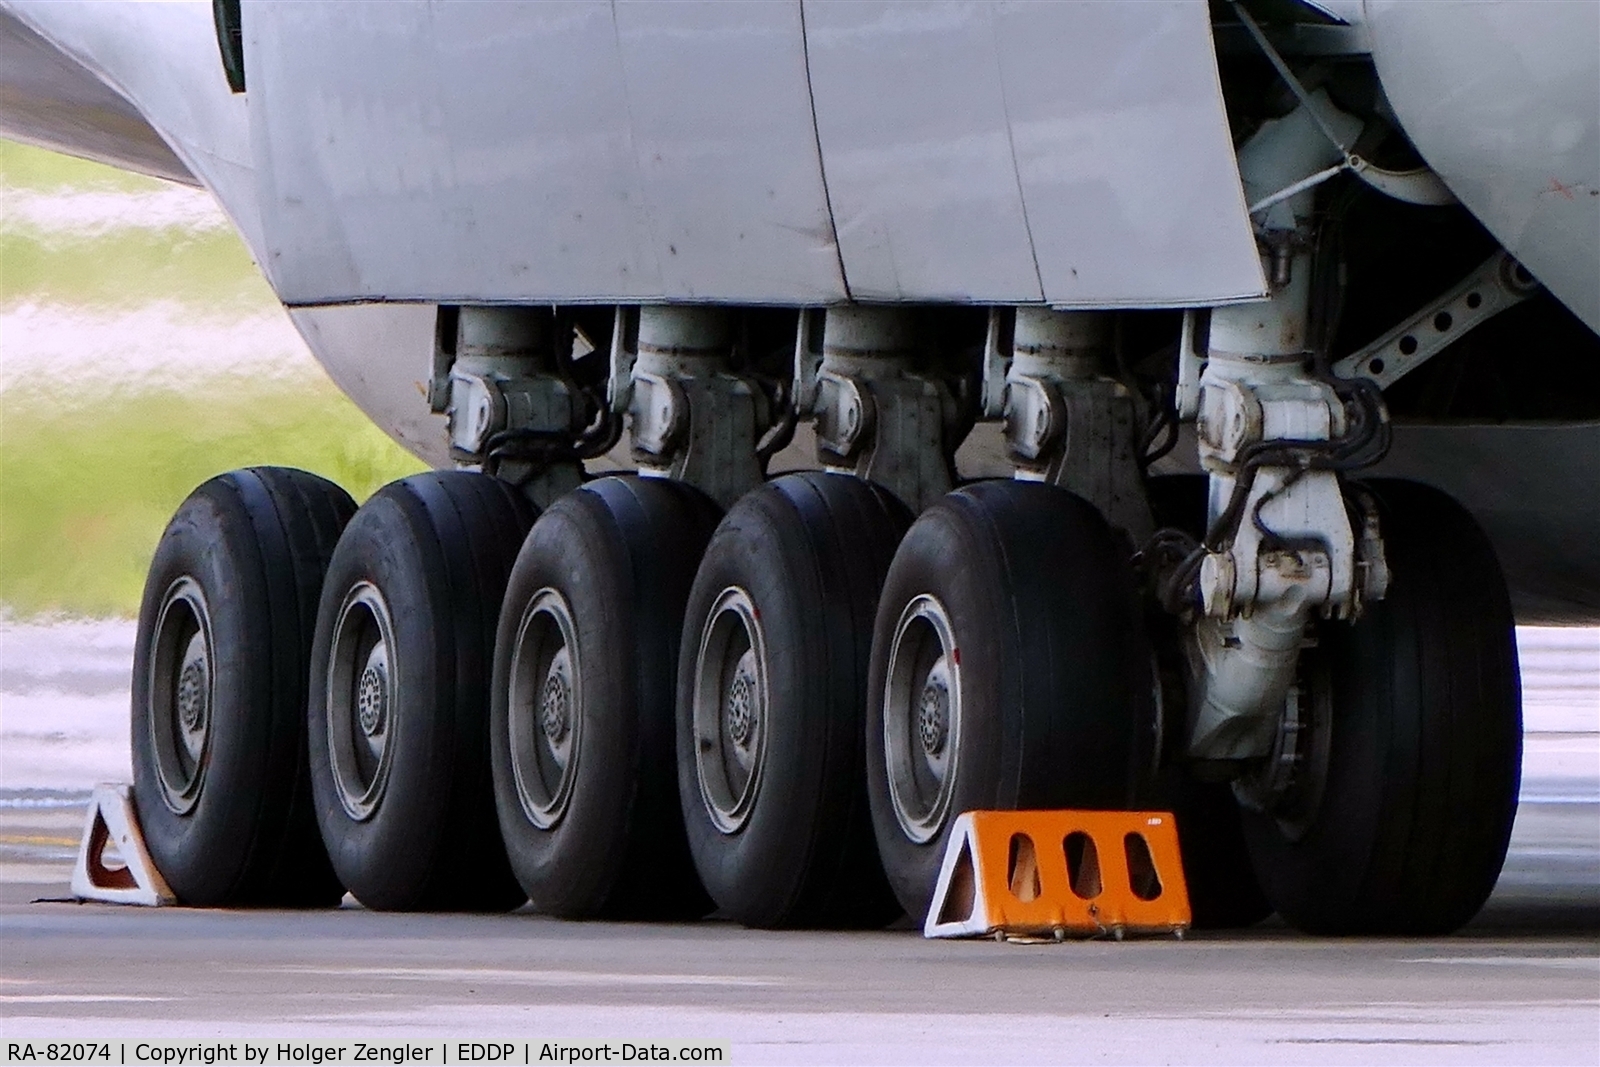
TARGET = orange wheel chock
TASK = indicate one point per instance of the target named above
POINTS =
(1060, 873)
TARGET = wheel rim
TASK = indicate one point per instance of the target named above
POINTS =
(182, 692)
(922, 718)
(546, 712)
(1288, 785)
(730, 709)
(361, 699)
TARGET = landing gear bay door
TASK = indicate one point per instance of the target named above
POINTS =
(1071, 154)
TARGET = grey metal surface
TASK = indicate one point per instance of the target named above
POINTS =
(1503, 100)
(580, 151)
(380, 355)
(553, 151)
(911, 116)
(1533, 489)
(162, 59)
(49, 100)
(1124, 155)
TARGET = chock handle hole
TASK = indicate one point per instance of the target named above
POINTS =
(1142, 876)
(1083, 865)
(1022, 869)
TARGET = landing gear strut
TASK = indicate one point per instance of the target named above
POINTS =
(1394, 811)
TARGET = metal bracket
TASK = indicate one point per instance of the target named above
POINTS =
(1500, 283)
(874, 416)
(844, 416)
(509, 410)
(691, 418)
(1069, 423)
(1191, 362)
(624, 353)
(807, 359)
(660, 414)
(996, 363)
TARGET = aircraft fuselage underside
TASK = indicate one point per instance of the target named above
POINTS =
(711, 314)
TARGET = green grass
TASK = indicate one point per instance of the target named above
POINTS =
(25, 167)
(84, 498)
(209, 269)
(89, 475)
(119, 267)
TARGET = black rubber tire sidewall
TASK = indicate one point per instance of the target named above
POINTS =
(1425, 762)
(811, 550)
(439, 547)
(622, 552)
(1056, 682)
(257, 542)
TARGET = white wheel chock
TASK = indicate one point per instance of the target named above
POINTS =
(111, 821)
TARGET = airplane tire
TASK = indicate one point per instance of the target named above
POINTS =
(399, 702)
(1424, 742)
(585, 683)
(772, 702)
(1223, 890)
(1010, 669)
(219, 690)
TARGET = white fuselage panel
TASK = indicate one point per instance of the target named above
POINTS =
(1503, 100)
(779, 153)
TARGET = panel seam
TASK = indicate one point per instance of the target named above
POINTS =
(822, 166)
(1011, 144)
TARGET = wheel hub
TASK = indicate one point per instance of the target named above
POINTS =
(361, 700)
(555, 707)
(933, 720)
(545, 708)
(193, 692)
(922, 718)
(729, 704)
(743, 700)
(180, 695)
(372, 698)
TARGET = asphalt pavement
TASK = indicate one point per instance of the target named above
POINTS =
(1521, 984)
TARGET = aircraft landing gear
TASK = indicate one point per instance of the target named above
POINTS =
(771, 688)
(781, 714)
(399, 701)
(219, 690)
(1009, 670)
(1401, 825)
(582, 702)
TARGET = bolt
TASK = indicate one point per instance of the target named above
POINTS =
(741, 709)
(192, 695)
(933, 717)
(555, 703)
(372, 698)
